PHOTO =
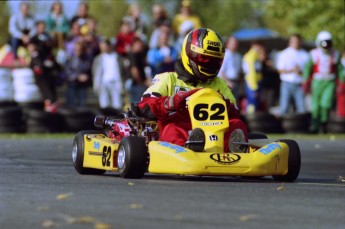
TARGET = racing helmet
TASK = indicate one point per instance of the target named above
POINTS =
(202, 53)
(324, 40)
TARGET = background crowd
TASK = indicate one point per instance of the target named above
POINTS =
(71, 53)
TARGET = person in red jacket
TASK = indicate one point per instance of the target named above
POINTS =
(201, 59)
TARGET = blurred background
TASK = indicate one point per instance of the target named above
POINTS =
(65, 40)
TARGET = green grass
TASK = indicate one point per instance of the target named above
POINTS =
(308, 136)
(38, 136)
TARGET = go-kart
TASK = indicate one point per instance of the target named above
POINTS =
(130, 146)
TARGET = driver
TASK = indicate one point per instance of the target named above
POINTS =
(201, 59)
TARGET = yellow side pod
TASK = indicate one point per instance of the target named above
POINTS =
(167, 158)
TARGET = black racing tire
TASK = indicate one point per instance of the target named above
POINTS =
(294, 162)
(257, 136)
(78, 154)
(132, 157)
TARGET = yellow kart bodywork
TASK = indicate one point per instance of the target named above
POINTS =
(210, 115)
(167, 158)
(94, 153)
(100, 152)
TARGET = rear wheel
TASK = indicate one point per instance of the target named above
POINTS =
(78, 153)
(294, 162)
(132, 157)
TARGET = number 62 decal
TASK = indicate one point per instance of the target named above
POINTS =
(202, 111)
(106, 154)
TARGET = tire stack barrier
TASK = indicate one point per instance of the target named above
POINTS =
(6, 86)
(39, 121)
(336, 125)
(11, 118)
(296, 122)
(263, 122)
(25, 88)
(78, 119)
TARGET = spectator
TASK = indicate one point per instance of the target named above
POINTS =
(162, 58)
(21, 28)
(270, 83)
(82, 17)
(252, 67)
(57, 24)
(78, 71)
(107, 82)
(73, 38)
(138, 63)
(341, 91)
(185, 28)
(185, 14)
(124, 41)
(137, 21)
(161, 22)
(322, 70)
(232, 65)
(42, 40)
(91, 39)
(45, 70)
(290, 65)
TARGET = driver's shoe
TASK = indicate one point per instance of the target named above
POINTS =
(196, 140)
(236, 138)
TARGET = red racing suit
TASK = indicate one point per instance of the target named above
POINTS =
(174, 125)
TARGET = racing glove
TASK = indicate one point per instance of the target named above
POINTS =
(178, 101)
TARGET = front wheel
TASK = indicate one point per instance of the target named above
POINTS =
(294, 162)
(78, 153)
(132, 157)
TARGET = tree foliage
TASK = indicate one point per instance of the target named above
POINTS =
(307, 17)
(108, 14)
(4, 12)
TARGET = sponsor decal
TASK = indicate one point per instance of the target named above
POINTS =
(206, 52)
(213, 138)
(212, 43)
(96, 145)
(155, 80)
(210, 123)
(225, 158)
(269, 148)
(178, 149)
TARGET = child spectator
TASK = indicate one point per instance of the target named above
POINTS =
(21, 28)
(78, 71)
(107, 82)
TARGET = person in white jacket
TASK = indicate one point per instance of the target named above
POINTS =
(107, 83)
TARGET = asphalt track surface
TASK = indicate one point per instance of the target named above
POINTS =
(39, 188)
